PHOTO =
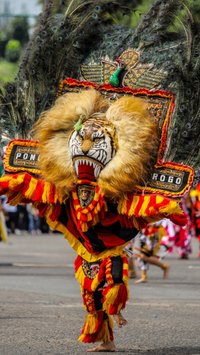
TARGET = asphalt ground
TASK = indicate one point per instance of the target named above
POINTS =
(41, 309)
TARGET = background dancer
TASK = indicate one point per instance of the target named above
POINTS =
(150, 251)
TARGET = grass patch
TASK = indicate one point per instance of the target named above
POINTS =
(7, 71)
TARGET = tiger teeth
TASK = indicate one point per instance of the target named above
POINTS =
(76, 166)
(97, 171)
(96, 167)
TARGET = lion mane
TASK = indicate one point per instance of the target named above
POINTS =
(135, 134)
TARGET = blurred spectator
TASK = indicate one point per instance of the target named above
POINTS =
(151, 251)
(44, 227)
(33, 218)
(11, 216)
(3, 228)
(23, 220)
(131, 261)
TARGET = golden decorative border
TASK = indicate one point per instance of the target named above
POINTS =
(23, 143)
(176, 167)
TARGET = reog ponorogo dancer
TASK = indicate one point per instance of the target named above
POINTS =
(100, 165)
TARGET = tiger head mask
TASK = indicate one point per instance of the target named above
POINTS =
(92, 147)
(85, 137)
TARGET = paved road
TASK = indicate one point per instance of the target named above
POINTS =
(41, 310)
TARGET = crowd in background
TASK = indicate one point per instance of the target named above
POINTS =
(22, 218)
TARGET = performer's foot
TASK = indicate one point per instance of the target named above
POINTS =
(143, 277)
(120, 320)
(142, 280)
(109, 346)
(165, 271)
(132, 274)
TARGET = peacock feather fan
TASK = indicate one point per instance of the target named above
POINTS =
(75, 32)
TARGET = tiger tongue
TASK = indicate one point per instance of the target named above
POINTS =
(86, 172)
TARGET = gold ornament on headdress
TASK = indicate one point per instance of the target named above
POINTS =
(126, 70)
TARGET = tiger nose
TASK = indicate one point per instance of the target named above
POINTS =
(86, 145)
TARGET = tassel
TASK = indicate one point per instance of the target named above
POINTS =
(96, 328)
(31, 188)
(91, 324)
(92, 327)
(100, 276)
(114, 298)
(55, 212)
(106, 332)
(46, 192)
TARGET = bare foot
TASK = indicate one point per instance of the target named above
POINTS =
(109, 346)
(120, 320)
(132, 274)
(142, 280)
(166, 271)
(143, 277)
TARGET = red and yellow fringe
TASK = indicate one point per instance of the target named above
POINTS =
(23, 187)
(97, 328)
(151, 208)
(115, 296)
(93, 213)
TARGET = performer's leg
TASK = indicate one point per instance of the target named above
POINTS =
(131, 268)
(143, 267)
(116, 292)
(98, 325)
(131, 262)
(164, 266)
(101, 302)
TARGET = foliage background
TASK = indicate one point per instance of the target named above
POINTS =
(18, 29)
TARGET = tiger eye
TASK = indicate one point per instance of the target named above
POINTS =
(96, 140)
(80, 138)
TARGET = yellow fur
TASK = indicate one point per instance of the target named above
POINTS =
(137, 143)
(53, 131)
(135, 138)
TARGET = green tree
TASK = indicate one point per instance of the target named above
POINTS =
(3, 42)
(58, 5)
(13, 50)
(18, 29)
